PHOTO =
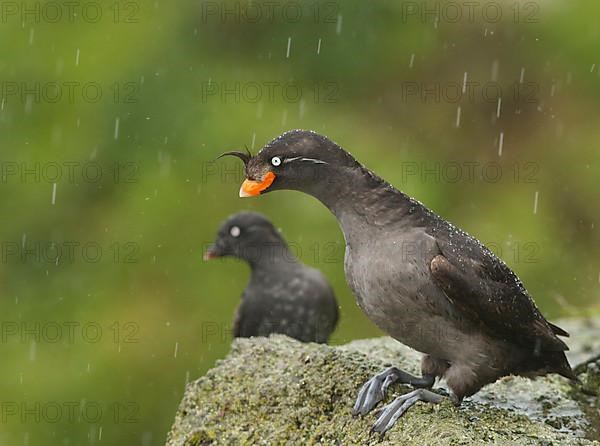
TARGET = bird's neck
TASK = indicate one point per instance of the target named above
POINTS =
(268, 256)
(362, 202)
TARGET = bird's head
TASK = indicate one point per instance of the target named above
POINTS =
(294, 160)
(243, 235)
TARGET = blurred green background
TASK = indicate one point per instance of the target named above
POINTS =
(133, 105)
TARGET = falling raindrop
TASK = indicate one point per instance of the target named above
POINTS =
(146, 438)
(116, 133)
(253, 140)
(31, 35)
(500, 143)
(412, 60)
(458, 111)
(100, 434)
(319, 47)
(495, 66)
(176, 349)
(32, 351)
(499, 108)
(289, 47)
(53, 194)
(77, 58)
(592, 69)
(338, 28)
(29, 104)
(535, 202)
(464, 89)
(60, 65)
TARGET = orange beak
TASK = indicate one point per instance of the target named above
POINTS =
(253, 188)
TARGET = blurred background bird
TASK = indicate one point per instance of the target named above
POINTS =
(283, 295)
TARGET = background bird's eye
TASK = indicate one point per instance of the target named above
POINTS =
(276, 161)
(235, 231)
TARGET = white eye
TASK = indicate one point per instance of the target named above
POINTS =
(276, 161)
(234, 231)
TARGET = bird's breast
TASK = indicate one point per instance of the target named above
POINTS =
(395, 290)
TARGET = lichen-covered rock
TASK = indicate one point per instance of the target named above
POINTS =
(277, 391)
(589, 374)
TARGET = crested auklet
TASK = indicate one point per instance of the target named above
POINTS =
(423, 281)
(283, 295)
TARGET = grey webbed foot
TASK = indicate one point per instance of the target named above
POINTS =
(390, 413)
(373, 391)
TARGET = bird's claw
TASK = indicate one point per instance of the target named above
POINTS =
(390, 413)
(389, 380)
(373, 391)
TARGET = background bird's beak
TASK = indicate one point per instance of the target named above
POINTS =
(251, 188)
(211, 253)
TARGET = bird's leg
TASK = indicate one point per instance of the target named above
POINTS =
(374, 389)
(390, 413)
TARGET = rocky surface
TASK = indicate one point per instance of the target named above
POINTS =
(272, 391)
